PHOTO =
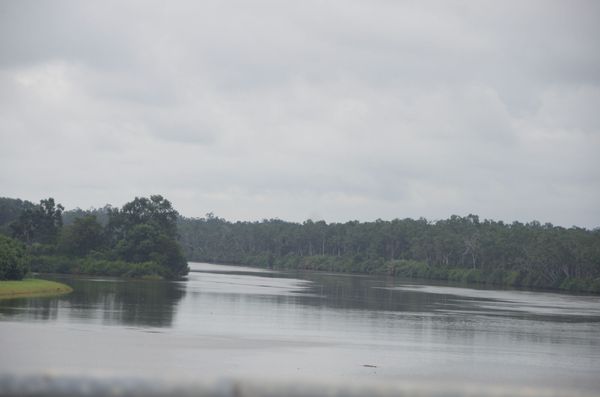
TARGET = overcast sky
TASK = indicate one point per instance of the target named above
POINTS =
(332, 110)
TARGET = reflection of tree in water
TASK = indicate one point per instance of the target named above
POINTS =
(29, 308)
(123, 302)
(370, 293)
(380, 294)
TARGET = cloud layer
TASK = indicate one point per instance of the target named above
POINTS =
(337, 110)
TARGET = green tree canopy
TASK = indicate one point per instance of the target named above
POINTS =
(139, 238)
(10, 210)
(145, 229)
(530, 254)
(82, 236)
(155, 211)
(39, 224)
(12, 259)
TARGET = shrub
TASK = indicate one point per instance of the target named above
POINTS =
(409, 269)
(98, 267)
(12, 259)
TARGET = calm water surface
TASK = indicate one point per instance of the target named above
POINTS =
(243, 322)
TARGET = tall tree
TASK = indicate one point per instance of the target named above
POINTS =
(155, 210)
(82, 236)
(40, 224)
(145, 229)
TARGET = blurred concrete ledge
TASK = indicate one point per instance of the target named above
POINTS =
(51, 385)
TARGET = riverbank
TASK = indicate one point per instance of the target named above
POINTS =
(31, 287)
(412, 269)
(59, 264)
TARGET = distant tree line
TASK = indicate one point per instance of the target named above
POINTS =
(458, 248)
(137, 240)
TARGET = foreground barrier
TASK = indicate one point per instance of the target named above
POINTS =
(51, 385)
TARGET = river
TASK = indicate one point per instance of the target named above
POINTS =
(230, 321)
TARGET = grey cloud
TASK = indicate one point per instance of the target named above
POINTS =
(342, 109)
(38, 31)
(186, 132)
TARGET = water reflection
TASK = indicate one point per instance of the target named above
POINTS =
(235, 321)
(334, 307)
(366, 293)
(29, 308)
(103, 301)
(510, 303)
(393, 295)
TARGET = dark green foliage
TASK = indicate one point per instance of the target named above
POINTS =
(51, 263)
(145, 230)
(143, 243)
(12, 259)
(411, 269)
(138, 243)
(81, 237)
(578, 284)
(39, 224)
(155, 211)
(96, 267)
(463, 249)
(137, 240)
(10, 210)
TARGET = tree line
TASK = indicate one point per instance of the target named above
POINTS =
(458, 248)
(136, 240)
(147, 236)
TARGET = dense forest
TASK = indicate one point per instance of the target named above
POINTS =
(151, 235)
(137, 240)
(459, 248)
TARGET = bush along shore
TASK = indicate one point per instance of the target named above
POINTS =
(31, 287)
(96, 267)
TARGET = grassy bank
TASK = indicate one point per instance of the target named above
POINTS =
(31, 287)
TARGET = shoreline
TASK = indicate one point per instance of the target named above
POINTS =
(418, 270)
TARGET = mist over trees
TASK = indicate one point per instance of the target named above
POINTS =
(457, 248)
